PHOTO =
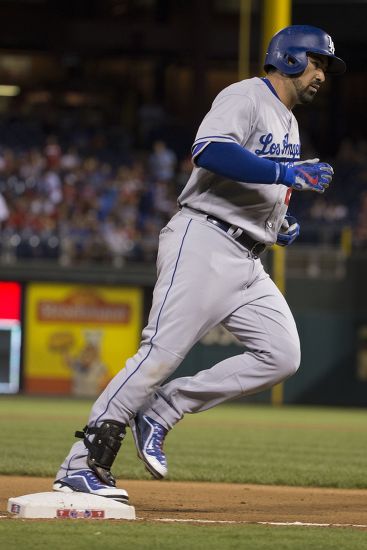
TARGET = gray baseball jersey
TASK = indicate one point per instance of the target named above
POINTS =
(206, 277)
(250, 114)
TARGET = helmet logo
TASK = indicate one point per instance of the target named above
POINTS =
(331, 45)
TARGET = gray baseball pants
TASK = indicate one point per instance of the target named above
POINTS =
(204, 278)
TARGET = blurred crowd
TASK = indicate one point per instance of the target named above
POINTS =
(57, 203)
(81, 201)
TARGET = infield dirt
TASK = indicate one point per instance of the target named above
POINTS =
(222, 501)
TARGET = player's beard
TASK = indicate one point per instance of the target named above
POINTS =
(305, 94)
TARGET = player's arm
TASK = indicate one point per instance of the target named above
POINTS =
(234, 162)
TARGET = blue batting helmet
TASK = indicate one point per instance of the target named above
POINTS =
(288, 49)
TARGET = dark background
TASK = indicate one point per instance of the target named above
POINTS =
(114, 56)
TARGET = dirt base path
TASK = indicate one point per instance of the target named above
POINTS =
(223, 501)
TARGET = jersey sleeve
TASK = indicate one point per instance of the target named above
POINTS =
(229, 120)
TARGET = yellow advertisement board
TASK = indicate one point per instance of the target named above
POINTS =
(78, 337)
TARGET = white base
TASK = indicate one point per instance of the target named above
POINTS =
(69, 505)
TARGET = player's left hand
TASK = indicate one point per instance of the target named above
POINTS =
(289, 231)
(308, 175)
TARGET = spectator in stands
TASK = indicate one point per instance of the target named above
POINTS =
(162, 162)
(52, 152)
(4, 210)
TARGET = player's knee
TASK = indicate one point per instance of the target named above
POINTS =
(282, 359)
(288, 360)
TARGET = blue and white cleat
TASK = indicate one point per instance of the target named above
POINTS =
(86, 481)
(149, 437)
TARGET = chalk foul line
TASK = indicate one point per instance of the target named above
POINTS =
(275, 523)
(243, 522)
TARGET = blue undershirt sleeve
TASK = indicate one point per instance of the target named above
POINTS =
(234, 162)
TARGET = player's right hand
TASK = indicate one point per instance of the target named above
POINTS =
(289, 231)
(308, 175)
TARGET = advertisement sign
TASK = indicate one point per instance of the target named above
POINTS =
(78, 337)
(10, 336)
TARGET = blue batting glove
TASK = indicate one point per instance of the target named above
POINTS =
(306, 175)
(289, 231)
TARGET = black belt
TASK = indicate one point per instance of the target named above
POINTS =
(255, 247)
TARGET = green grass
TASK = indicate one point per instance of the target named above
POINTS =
(233, 443)
(61, 534)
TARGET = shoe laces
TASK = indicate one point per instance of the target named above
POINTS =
(159, 433)
(91, 476)
(155, 447)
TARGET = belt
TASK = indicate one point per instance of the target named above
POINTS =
(255, 247)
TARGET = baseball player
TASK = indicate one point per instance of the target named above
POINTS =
(246, 164)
